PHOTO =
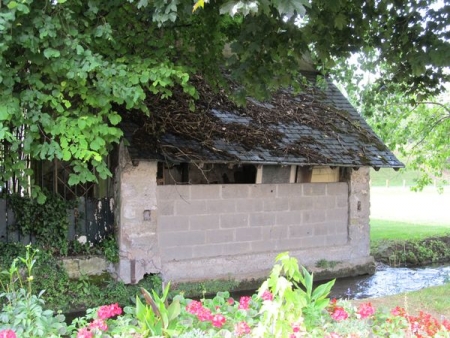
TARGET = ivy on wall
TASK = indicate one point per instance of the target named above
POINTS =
(46, 223)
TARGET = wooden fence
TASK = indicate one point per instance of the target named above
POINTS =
(93, 218)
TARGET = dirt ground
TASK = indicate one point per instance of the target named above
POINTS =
(402, 204)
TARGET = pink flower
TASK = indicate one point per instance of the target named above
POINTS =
(244, 303)
(366, 310)
(267, 295)
(218, 320)
(295, 327)
(85, 333)
(398, 311)
(230, 301)
(333, 335)
(8, 333)
(193, 307)
(108, 311)
(446, 324)
(98, 324)
(241, 328)
(339, 314)
(204, 314)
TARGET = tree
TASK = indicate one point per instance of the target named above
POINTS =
(417, 129)
(68, 68)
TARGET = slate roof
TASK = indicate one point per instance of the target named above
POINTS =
(315, 127)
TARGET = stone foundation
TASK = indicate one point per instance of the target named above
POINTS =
(77, 267)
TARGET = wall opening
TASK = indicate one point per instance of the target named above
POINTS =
(206, 173)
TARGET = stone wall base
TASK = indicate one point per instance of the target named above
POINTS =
(77, 267)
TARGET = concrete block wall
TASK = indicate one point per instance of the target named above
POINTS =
(198, 232)
(207, 231)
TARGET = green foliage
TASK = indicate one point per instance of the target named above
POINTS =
(65, 294)
(415, 125)
(110, 249)
(326, 264)
(416, 252)
(202, 289)
(70, 69)
(294, 298)
(418, 131)
(47, 223)
(156, 317)
(23, 311)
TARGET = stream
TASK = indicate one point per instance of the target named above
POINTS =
(390, 281)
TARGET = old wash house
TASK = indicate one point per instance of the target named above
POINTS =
(219, 192)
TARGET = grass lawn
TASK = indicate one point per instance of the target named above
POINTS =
(395, 230)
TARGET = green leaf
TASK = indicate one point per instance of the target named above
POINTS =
(12, 5)
(82, 123)
(114, 119)
(66, 155)
(51, 53)
(4, 113)
(73, 180)
(322, 290)
(340, 21)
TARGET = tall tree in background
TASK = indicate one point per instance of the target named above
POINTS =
(68, 67)
(415, 127)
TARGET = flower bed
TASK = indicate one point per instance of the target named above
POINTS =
(286, 305)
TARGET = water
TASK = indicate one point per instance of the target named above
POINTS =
(389, 281)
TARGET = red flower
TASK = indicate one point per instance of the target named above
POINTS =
(230, 301)
(8, 333)
(241, 328)
(366, 310)
(339, 314)
(85, 333)
(267, 295)
(98, 324)
(218, 320)
(108, 311)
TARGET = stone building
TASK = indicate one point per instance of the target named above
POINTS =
(220, 191)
